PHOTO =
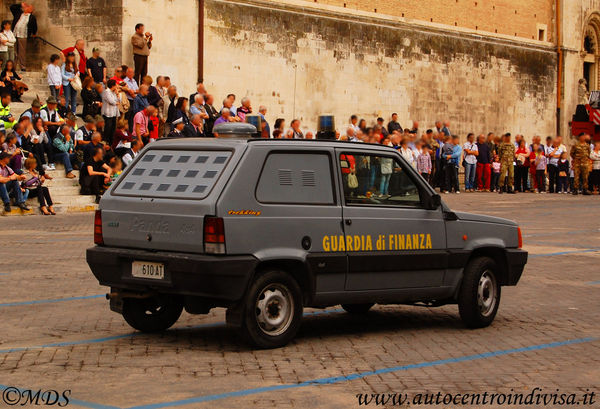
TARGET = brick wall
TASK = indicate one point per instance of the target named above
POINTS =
(510, 17)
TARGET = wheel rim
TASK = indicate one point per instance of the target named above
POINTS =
(274, 309)
(486, 293)
(153, 307)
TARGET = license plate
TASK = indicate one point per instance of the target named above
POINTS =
(146, 269)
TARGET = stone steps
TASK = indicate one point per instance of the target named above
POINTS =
(64, 193)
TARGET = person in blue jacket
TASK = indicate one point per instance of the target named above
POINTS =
(453, 154)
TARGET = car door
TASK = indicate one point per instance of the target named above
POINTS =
(391, 239)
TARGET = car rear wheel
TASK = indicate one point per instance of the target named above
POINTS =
(273, 310)
(152, 314)
(479, 295)
(357, 308)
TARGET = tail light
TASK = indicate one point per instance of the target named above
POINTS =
(214, 235)
(520, 238)
(98, 239)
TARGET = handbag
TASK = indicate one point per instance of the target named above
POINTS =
(76, 84)
(352, 181)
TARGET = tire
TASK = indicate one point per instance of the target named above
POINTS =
(152, 314)
(357, 308)
(272, 310)
(479, 295)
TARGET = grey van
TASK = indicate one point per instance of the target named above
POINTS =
(265, 228)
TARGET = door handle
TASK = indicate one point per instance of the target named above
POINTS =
(348, 222)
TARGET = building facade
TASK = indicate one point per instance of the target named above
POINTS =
(485, 65)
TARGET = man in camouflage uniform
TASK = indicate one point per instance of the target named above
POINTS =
(580, 152)
(506, 152)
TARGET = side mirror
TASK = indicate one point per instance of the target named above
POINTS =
(435, 201)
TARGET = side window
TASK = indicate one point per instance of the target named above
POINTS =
(377, 180)
(296, 178)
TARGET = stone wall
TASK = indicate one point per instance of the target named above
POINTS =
(301, 62)
(62, 22)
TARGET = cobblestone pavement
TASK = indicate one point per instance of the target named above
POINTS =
(546, 333)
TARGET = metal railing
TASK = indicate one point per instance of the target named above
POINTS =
(43, 40)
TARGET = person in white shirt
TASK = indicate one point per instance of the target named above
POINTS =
(25, 26)
(54, 75)
(470, 152)
(7, 43)
(131, 153)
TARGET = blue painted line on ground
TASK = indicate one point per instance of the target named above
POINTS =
(135, 334)
(594, 282)
(359, 375)
(87, 297)
(563, 253)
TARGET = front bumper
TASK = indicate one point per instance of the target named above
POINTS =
(516, 259)
(213, 277)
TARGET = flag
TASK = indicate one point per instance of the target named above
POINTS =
(594, 114)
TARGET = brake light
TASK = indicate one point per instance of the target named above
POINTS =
(214, 235)
(520, 238)
(98, 239)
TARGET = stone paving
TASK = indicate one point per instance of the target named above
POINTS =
(546, 334)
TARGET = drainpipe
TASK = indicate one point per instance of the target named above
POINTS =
(200, 40)
(560, 66)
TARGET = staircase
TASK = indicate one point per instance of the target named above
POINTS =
(64, 191)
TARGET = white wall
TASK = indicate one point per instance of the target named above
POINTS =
(174, 24)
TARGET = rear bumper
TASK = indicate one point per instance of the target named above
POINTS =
(516, 259)
(214, 277)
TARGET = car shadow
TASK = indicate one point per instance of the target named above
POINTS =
(317, 325)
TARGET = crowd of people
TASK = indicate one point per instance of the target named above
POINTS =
(128, 110)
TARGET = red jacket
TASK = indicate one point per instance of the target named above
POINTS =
(82, 58)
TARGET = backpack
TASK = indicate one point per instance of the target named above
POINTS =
(123, 103)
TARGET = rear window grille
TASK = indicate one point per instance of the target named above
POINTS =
(308, 178)
(160, 173)
(285, 177)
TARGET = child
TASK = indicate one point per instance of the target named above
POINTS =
(424, 163)
(496, 166)
(541, 163)
(117, 168)
(54, 75)
(563, 171)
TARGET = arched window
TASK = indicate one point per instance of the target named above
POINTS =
(590, 50)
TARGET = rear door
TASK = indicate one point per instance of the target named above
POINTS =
(159, 203)
(391, 240)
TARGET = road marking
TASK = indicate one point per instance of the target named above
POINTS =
(594, 282)
(137, 334)
(359, 375)
(563, 253)
(331, 380)
(86, 297)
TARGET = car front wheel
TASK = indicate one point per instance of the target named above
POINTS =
(273, 310)
(479, 295)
